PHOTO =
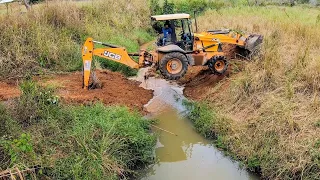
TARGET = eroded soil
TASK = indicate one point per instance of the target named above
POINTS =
(199, 80)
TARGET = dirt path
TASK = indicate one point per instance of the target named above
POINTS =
(116, 90)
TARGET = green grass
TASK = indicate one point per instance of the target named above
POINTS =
(73, 142)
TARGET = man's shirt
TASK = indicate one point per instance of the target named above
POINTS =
(166, 32)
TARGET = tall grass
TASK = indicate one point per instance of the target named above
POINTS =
(274, 102)
(51, 35)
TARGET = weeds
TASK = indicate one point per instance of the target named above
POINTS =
(208, 122)
(104, 140)
(35, 104)
(19, 150)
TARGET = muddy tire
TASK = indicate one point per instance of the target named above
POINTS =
(173, 65)
(218, 65)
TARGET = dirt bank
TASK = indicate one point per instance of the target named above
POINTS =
(199, 80)
(116, 90)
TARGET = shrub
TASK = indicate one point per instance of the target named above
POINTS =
(19, 150)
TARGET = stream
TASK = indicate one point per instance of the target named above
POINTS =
(182, 153)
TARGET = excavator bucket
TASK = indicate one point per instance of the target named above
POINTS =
(252, 42)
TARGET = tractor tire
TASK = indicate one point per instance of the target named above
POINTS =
(173, 65)
(218, 65)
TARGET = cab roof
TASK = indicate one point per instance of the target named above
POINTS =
(170, 17)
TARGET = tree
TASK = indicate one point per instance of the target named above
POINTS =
(168, 8)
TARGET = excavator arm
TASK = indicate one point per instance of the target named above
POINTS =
(112, 52)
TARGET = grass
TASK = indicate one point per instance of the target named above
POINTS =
(269, 112)
(49, 37)
(72, 142)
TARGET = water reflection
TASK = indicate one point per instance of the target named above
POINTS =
(188, 155)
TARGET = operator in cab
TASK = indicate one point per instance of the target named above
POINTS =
(167, 31)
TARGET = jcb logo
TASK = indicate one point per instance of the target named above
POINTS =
(112, 55)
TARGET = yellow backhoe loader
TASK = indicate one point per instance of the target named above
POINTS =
(173, 57)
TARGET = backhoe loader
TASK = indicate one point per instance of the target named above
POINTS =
(174, 57)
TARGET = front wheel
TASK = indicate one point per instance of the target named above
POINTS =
(218, 64)
(173, 65)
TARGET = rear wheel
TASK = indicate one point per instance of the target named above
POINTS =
(173, 65)
(218, 64)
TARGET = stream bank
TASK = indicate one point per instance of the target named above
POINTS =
(181, 152)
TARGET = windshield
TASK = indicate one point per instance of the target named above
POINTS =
(186, 26)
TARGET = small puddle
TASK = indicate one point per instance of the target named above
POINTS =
(185, 154)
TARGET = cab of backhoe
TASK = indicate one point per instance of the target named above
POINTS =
(181, 30)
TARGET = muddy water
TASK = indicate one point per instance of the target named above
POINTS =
(182, 153)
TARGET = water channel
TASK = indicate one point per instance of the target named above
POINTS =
(182, 153)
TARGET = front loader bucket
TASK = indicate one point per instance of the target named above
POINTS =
(253, 42)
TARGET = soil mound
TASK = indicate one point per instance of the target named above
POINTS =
(116, 90)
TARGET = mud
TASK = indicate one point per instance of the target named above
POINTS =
(198, 82)
(232, 51)
(116, 90)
